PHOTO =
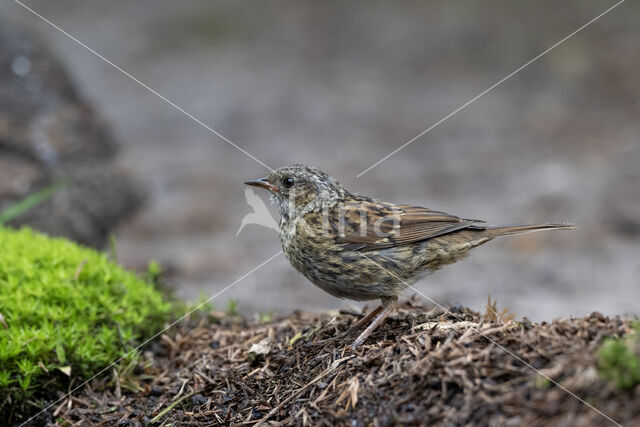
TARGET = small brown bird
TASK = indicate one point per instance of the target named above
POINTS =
(360, 248)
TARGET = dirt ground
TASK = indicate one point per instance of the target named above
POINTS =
(424, 366)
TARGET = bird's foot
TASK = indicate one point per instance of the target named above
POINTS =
(384, 312)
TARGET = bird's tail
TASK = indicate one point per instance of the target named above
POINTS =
(504, 230)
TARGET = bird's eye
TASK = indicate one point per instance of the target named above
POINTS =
(288, 182)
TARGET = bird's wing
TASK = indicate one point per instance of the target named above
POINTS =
(370, 225)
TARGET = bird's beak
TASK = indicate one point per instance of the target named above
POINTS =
(263, 183)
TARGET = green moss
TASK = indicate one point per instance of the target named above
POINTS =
(232, 308)
(543, 382)
(65, 306)
(619, 359)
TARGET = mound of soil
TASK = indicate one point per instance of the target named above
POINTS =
(423, 366)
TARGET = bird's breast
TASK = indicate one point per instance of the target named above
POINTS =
(302, 237)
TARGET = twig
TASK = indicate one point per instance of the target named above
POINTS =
(116, 378)
(176, 403)
(351, 313)
(331, 368)
(79, 269)
(59, 408)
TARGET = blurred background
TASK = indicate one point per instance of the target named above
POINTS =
(338, 85)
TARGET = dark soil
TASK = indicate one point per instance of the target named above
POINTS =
(423, 366)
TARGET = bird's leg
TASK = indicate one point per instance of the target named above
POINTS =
(356, 326)
(366, 319)
(388, 305)
(376, 322)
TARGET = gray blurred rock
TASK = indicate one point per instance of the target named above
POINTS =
(49, 134)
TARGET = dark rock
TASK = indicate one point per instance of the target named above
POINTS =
(198, 399)
(50, 135)
(256, 414)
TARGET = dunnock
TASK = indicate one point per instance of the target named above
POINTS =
(360, 248)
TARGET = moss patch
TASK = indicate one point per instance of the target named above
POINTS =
(66, 311)
(620, 359)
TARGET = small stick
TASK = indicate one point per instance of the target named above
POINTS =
(350, 313)
(116, 378)
(331, 368)
(79, 269)
(176, 403)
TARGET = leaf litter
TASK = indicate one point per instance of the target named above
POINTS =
(423, 366)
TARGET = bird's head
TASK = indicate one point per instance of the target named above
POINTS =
(299, 188)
